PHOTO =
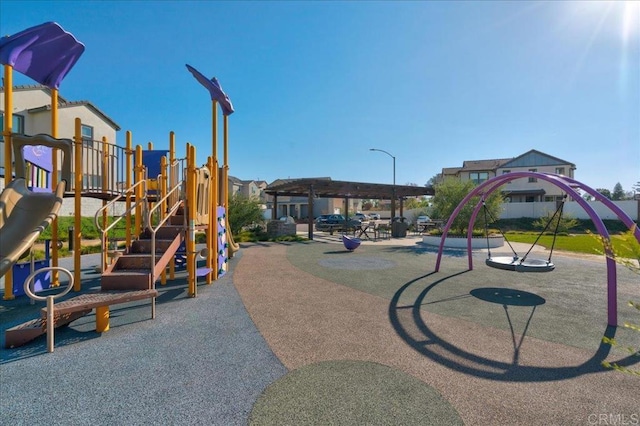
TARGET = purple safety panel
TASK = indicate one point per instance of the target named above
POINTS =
(215, 90)
(45, 53)
(223, 245)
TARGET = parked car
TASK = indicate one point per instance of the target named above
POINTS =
(374, 216)
(423, 220)
(287, 219)
(322, 218)
(332, 222)
(360, 216)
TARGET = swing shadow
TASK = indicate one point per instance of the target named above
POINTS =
(432, 346)
(511, 297)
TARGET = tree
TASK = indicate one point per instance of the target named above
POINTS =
(434, 179)
(450, 192)
(243, 211)
(618, 192)
(604, 192)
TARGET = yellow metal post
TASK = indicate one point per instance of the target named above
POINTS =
(191, 201)
(173, 180)
(102, 319)
(216, 182)
(215, 197)
(211, 224)
(77, 223)
(162, 191)
(139, 175)
(55, 280)
(129, 164)
(105, 184)
(8, 170)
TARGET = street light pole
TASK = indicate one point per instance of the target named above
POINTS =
(393, 190)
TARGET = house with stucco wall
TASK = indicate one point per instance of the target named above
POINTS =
(521, 190)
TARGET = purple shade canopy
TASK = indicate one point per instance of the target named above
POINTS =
(45, 53)
(214, 88)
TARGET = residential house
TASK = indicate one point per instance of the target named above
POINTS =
(531, 189)
(248, 188)
(520, 190)
(32, 115)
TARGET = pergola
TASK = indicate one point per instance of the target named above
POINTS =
(328, 188)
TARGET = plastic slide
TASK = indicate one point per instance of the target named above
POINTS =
(23, 216)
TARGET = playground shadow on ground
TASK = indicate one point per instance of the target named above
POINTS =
(414, 328)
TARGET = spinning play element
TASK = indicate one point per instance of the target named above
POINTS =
(350, 243)
(570, 187)
(517, 263)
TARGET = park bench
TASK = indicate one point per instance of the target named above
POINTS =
(71, 309)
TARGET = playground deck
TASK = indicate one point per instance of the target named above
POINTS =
(308, 333)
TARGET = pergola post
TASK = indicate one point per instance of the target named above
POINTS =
(310, 213)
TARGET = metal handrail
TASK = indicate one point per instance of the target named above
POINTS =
(118, 198)
(104, 231)
(154, 230)
(28, 283)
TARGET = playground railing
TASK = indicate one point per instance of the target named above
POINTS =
(176, 178)
(99, 214)
(104, 167)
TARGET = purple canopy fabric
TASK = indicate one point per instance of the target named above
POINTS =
(45, 53)
(214, 88)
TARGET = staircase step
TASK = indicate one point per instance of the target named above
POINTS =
(177, 220)
(126, 280)
(135, 261)
(144, 246)
(166, 232)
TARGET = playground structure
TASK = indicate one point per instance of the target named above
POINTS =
(167, 200)
(570, 187)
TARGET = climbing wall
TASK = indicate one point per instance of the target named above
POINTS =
(223, 244)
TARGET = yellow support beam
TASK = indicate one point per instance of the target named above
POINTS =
(8, 170)
(77, 223)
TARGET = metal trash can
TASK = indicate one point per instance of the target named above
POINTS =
(399, 229)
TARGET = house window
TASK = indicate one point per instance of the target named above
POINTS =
(532, 179)
(560, 171)
(549, 198)
(87, 135)
(529, 199)
(478, 177)
(504, 172)
(16, 127)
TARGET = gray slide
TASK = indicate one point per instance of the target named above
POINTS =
(23, 216)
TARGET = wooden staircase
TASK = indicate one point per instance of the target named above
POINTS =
(133, 269)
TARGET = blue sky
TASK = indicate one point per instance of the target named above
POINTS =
(316, 84)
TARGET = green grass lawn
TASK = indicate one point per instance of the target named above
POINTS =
(579, 243)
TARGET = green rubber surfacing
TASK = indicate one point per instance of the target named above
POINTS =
(351, 392)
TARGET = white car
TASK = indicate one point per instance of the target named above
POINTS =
(423, 220)
(360, 216)
(374, 216)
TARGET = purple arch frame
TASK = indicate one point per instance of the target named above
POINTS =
(567, 185)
